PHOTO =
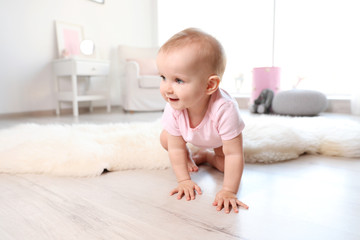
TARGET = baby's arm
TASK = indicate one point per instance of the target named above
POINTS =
(233, 169)
(178, 154)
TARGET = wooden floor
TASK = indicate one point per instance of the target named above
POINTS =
(313, 197)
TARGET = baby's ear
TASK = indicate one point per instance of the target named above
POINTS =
(213, 84)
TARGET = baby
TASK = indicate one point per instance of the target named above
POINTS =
(191, 64)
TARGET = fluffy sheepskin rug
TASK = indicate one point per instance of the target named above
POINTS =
(88, 149)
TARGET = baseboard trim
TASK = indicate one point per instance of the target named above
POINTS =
(335, 105)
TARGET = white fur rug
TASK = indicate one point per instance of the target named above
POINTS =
(88, 149)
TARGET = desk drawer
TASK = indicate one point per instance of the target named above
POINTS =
(91, 68)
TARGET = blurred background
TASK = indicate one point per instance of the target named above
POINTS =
(316, 43)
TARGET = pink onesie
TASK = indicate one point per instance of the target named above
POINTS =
(222, 121)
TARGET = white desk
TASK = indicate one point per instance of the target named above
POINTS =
(73, 68)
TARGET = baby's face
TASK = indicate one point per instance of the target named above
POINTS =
(184, 78)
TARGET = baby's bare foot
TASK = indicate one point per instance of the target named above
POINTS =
(200, 157)
(192, 166)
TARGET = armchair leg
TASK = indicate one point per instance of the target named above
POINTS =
(108, 107)
(91, 108)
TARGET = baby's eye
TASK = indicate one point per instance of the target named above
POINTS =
(163, 78)
(179, 81)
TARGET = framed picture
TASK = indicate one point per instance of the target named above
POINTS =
(69, 37)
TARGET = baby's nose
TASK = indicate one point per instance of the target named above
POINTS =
(169, 88)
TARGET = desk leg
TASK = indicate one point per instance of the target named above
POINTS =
(108, 87)
(75, 100)
(57, 107)
(87, 88)
(91, 108)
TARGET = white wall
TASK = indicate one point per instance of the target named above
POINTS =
(28, 43)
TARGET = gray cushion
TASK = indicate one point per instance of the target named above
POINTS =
(299, 102)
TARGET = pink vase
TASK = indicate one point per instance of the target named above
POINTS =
(265, 77)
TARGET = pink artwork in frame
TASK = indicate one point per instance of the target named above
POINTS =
(72, 41)
(69, 37)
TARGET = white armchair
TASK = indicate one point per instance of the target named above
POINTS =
(142, 82)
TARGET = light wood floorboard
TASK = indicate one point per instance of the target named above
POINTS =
(313, 197)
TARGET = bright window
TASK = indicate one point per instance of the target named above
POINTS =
(316, 40)
(319, 40)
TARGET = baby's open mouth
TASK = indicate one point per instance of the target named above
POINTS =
(173, 99)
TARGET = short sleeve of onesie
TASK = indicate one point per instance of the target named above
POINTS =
(229, 122)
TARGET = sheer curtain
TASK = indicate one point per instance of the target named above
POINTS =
(315, 41)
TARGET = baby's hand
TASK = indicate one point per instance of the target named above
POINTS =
(186, 188)
(225, 199)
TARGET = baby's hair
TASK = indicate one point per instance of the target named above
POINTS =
(208, 47)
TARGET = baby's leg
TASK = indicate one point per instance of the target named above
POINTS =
(215, 158)
(192, 167)
(218, 159)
